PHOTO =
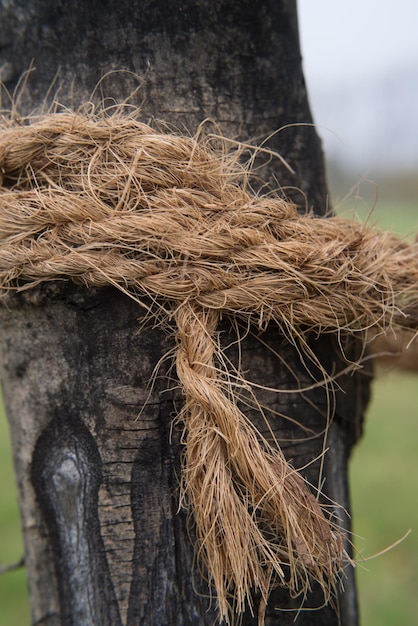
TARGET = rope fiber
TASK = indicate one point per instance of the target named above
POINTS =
(107, 200)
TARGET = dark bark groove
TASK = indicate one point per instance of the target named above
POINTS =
(66, 475)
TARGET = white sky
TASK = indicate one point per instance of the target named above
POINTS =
(360, 60)
(343, 40)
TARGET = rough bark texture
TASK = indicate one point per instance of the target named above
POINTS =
(97, 457)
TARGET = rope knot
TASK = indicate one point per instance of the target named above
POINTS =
(110, 201)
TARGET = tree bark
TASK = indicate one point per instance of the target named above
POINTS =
(97, 457)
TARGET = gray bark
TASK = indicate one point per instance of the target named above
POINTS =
(96, 455)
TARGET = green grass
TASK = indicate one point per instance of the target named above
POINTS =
(390, 202)
(384, 467)
(384, 482)
(403, 222)
(13, 595)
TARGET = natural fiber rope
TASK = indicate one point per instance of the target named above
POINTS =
(107, 200)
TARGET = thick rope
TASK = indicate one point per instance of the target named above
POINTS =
(107, 200)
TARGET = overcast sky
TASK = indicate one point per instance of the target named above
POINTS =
(360, 59)
(347, 39)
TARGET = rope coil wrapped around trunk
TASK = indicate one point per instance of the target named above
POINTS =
(107, 200)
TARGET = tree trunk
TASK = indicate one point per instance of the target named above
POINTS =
(96, 454)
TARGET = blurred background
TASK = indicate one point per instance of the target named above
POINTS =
(360, 60)
(361, 66)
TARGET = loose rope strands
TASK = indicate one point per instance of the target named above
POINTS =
(106, 200)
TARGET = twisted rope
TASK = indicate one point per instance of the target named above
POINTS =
(108, 200)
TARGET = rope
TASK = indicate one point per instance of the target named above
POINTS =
(106, 200)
